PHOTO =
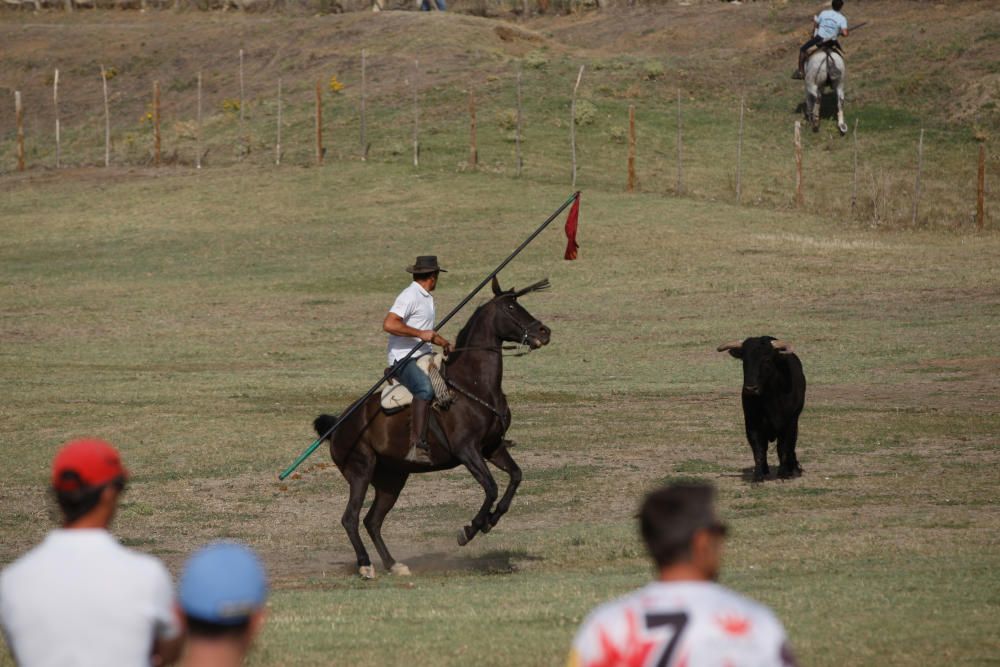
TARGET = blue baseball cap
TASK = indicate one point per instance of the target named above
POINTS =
(223, 583)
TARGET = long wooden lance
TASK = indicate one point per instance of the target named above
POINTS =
(392, 371)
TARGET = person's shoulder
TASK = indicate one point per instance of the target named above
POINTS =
(610, 611)
(25, 563)
(139, 563)
(761, 614)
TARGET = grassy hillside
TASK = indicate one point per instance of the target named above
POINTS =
(712, 53)
(201, 321)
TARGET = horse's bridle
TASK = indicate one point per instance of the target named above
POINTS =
(525, 333)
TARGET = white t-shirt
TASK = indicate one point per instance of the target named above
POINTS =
(829, 24)
(415, 306)
(81, 599)
(701, 624)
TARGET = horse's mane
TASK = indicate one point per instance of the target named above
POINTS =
(462, 339)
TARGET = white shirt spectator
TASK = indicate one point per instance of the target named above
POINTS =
(81, 599)
(829, 24)
(695, 623)
(415, 306)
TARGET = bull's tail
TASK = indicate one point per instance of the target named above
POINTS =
(323, 424)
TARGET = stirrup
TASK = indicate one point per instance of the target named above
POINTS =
(798, 75)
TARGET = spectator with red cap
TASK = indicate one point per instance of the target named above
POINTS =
(80, 597)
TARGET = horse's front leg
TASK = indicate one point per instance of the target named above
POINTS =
(502, 459)
(841, 124)
(473, 460)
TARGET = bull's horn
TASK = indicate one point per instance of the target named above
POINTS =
(782, 346)
(735, 345)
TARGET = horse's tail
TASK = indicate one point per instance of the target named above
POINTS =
(324, 423)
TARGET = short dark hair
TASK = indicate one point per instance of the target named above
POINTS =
(670, 517)
(81, 501)
(197, 627)
(838, 4)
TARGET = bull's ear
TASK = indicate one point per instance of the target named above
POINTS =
(737, 352)
(496, 287)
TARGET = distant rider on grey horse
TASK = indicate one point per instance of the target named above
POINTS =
(830, 24)
(409, 322)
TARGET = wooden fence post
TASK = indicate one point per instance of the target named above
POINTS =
(631, 148)
(739, 153)
(319, 122)
(19, 114)
(854, 180)
(517, 129)
(364, 110)
(107, 119)
(572, 123)
(156, 123)
(916, 184)
(680, 147)
(981, 189)
(798, 164)
(416, 116)
(55, 104)
(242, 89)
(277, 142)
(473, 150)
(197, 140)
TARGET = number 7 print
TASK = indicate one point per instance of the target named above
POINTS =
(675, 621)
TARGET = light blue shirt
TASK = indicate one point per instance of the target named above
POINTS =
(829, 24)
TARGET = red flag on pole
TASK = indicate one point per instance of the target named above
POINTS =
(571, 223)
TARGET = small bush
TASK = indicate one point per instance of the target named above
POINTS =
(586, 113)
(618, 134)
(507, 119)
(653, 70)
(536, 60)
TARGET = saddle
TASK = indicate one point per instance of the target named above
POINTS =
(832, 46)
(395, 396)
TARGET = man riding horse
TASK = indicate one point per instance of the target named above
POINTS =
(411, 321)
(829, 25)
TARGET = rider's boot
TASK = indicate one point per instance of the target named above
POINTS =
(799, 73)
(419, 449)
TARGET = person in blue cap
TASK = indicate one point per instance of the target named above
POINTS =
(223, 591)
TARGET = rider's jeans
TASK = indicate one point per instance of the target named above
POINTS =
(416, 380)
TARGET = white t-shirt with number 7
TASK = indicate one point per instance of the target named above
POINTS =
(681, 624)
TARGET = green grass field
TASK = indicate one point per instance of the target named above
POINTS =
(200, 321)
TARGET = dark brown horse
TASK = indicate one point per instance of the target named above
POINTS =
(370, 447)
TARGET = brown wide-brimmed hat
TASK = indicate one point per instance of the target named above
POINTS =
(425, 264)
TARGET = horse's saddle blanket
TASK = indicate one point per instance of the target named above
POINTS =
(395, 396)
(832, 46)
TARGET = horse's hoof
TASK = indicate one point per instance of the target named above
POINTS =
(400, 570)
(843, 130)
(367, 571)
(463, 538)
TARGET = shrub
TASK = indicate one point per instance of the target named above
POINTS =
(507, 119)
(653, 70)
(586, 113)
(536, 60)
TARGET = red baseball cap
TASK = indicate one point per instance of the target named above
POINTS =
(86, 462)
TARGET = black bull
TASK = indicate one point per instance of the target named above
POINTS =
(774, 393)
